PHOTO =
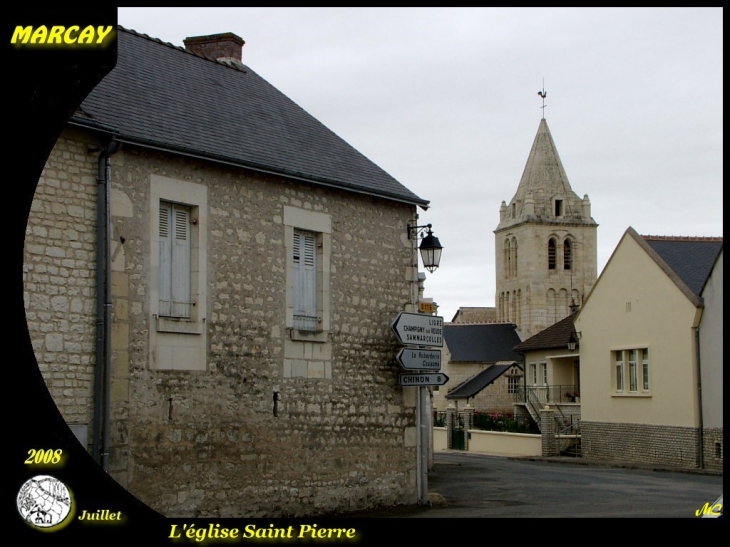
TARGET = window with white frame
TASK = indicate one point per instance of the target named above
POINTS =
(533, 373)
(174, 274)
(619, 364)
(633, 372)
(513, 384)
(304, 260)
(543, 373)
(645, 368)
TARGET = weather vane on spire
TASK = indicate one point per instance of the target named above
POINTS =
(543, 94)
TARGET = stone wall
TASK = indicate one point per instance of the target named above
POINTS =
(640, 443)
(712, 447)
(207, 442)
(59, 277)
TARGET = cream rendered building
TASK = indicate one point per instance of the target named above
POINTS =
(546, 257)
(650, 329)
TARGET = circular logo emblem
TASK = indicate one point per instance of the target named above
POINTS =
(44, 501)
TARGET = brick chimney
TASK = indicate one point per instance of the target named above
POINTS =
(221, 47)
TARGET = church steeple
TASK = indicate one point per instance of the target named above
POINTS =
(544, 192)
(545, 243)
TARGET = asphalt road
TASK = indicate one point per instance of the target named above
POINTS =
(470, 485)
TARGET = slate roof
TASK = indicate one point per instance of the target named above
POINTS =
(475, 315)
(555, 336)
(485, 343)
(691, 258)
(479, 381)
(162, 96)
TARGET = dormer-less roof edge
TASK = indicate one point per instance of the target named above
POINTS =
(666, 268)
(163, 147)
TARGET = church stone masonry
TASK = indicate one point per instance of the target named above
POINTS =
(546, 254)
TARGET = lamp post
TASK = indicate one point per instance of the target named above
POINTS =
(430, 250)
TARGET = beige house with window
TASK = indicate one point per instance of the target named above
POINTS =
(210, 278)
(651, 353)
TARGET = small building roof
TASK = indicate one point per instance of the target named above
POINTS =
(555, 336)
(478, 382)
(481, 343)
(475, 315)
(164, 97)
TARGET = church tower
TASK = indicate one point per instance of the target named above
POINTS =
(545, 244)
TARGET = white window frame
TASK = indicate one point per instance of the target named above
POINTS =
(633, 370)
(544, 373)
(533, 373)
(619, 370)
(646, 385)
(513, 384)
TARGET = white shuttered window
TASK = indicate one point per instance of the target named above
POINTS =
(304, 250)
(174, 238)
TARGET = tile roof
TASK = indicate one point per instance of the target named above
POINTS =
(555, 336)
(479, 381)
(481, 343)
(691, 258)
(162, 96)
(475, 315)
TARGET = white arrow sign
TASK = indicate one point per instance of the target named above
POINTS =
(419, 359)
(415, 329)
(422, 379)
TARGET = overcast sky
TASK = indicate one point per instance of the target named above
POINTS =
(445, 100)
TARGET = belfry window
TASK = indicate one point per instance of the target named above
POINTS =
(558, 207)
(567, 254)
(551, 254)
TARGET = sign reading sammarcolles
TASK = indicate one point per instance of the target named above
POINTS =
(415, 329)
(422, 379)
(419, 359)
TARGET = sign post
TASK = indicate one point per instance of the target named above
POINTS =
(420, 333)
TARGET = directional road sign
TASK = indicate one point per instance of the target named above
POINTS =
(420, 359)
(415, 329)
(432, 379)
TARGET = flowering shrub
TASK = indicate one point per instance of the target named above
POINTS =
(500, 421)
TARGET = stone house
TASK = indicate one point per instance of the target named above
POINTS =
(209, 279)
(651, 353)
(484, 372)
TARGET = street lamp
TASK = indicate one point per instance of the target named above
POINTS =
(430, 247)
(573, 340)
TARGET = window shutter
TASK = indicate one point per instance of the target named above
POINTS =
(305, 281)
(174, 242)
(165, 230)
(180, 286)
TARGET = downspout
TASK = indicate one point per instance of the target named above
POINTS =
(102, 376)
(700, 436)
